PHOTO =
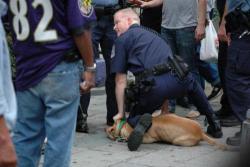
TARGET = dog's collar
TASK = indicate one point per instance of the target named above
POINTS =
(120, 125)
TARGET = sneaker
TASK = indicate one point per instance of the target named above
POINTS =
(235, 140)
(136, 137)
(193, 114)
(214, 92)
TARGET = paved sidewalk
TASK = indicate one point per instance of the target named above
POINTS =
(96, 150)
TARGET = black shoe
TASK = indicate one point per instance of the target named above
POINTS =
(136, 137)
(214, 92)
(81, 122)
(214, 129)
(82, 128)
(235, 140)
(230, 121)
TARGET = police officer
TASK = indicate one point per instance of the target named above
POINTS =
(139, 50)
(103, 34)
(236, 24)
(225, 113)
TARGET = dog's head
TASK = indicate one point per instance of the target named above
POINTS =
(121, 129)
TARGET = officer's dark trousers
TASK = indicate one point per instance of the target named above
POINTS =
(104, 34)
(222, 61)
(238, 76)
(169, 86)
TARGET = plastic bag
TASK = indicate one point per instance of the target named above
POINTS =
(210, 44)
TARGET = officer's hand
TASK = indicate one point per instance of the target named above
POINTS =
(7, 152)
(200, 32)
(89, 81)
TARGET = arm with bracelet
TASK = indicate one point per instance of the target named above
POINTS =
(84, 45)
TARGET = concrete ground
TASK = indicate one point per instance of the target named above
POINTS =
(96, 150)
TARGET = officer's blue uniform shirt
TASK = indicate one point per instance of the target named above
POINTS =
(138, 49)
(232, 4)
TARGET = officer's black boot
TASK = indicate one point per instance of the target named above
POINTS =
(136, 137)
(214, 128)
(234, 140)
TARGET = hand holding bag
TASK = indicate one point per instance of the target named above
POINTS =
(210, 44)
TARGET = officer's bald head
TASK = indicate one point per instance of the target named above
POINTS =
(129, 13)
(123, 19)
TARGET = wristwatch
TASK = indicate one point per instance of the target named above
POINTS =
(90, 68)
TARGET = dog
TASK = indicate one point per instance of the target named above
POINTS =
(168, 128)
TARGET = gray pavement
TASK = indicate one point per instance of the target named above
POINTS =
(96, 150)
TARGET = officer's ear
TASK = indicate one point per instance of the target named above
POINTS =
(130, 21)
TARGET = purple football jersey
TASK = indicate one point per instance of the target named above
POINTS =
(43, 32)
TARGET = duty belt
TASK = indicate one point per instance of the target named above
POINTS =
(156, 70)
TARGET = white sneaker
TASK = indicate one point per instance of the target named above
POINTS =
(193, 114)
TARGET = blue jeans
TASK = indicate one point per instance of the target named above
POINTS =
(207, 71)
(182, 42)
(103, 33)
(49, 110)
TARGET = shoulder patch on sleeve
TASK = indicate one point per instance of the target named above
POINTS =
(85, 7)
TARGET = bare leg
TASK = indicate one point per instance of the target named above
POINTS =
(164, 107)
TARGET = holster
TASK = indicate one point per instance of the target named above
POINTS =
(131, 97)
(179, 66)
(134, 91)
(237, 21)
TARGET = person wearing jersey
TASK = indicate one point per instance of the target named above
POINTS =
(49, 37)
